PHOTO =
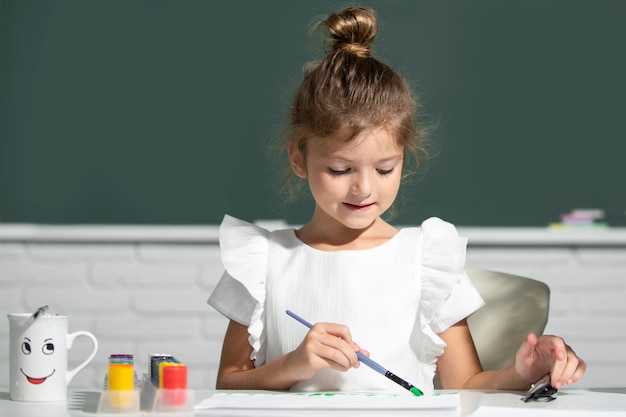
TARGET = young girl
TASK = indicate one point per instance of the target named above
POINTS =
(401, 294)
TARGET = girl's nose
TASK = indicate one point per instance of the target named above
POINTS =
(361, 186)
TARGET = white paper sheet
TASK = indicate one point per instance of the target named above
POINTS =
(326, 400)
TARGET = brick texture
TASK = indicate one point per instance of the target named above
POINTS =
(142, 298)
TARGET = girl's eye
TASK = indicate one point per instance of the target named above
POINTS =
(384, 172)
(336, 173)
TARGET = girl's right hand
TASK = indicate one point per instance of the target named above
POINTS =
(326, 345)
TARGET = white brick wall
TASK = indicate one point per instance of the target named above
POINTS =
(141, 298)
(136, 298)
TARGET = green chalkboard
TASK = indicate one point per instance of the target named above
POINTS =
(161, 112)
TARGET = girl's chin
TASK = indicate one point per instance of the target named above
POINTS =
(358, 222)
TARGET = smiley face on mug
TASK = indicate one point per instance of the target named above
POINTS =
(38, 356)
(37, 352)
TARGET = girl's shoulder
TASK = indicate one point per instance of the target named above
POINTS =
(241, 236)
(237, 233)
(431, 229)
(436, 227)
(441, 246)
(243, 243)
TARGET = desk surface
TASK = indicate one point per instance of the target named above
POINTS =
(570, 402)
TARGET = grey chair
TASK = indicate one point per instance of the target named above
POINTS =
(514, 307)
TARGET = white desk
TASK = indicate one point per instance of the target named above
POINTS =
(569, 402)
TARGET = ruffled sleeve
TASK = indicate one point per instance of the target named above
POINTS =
(447, 296)
(240, 294)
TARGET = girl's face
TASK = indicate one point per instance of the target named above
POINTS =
(352, 183)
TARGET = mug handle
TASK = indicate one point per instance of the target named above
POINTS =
(70, 340)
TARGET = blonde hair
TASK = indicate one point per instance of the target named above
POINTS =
(349, 91)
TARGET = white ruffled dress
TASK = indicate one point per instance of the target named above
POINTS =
(395, 298)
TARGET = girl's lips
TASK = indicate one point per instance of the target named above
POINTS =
(358, 207)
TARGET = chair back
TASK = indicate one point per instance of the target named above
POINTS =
(514, 307)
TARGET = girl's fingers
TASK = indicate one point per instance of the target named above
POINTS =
(335, 358)
(527, 348)
(549, 353)
(569, 370)
(338, 341)
(565, 366)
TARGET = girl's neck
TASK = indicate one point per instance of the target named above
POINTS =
(329, 235)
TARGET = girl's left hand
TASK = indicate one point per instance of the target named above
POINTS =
(538, 355)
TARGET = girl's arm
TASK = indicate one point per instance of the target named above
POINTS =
(326, 345)
(459, 367)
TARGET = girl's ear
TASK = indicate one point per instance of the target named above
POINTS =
(296, 159)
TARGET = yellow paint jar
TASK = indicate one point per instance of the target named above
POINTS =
(122, 383)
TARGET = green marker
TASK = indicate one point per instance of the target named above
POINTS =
(367, 361)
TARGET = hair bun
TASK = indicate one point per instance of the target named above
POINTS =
(352, 30)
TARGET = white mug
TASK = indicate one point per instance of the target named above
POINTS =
(38, 349)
